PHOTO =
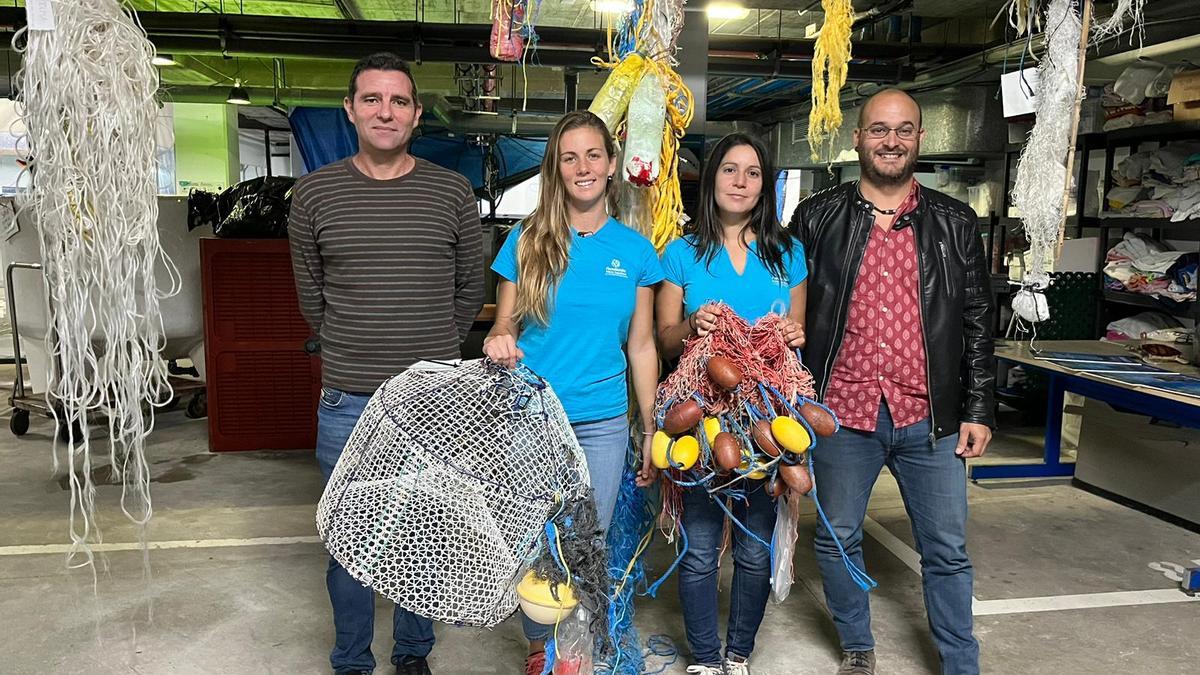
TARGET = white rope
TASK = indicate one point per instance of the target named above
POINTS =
(87, 95)
(1126, 10)
(1042, 171)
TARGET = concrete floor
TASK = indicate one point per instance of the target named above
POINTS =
(240, 588)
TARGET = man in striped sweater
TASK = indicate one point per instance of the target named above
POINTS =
(388, 257)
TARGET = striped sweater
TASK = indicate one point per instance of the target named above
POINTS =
(388, 272)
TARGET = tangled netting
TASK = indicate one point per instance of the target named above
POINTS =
(739, 409)
(87, 94)
(772, 380)
(453, 483)
(1042, 169)
(759, 350)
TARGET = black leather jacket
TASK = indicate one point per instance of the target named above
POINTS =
(956, 298)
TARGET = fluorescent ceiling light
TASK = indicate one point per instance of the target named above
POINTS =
(163, 60)
(612, 6)
(726, 11)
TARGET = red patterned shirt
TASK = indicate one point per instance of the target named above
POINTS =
(883, 349)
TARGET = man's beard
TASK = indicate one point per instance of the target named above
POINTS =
(902, 177)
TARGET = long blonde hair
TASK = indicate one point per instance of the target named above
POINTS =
(545, 245)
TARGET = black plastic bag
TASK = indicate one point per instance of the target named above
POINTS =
(253, 209)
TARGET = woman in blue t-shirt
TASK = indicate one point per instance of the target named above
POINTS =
(575, 303)
(734, 251)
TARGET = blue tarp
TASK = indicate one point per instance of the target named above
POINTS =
(324, 135)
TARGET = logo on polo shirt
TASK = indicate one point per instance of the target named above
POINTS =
(614, 269)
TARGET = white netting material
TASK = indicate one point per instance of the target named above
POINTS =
(445, 486)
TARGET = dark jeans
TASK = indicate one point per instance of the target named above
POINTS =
(933, 484)
(703, 522)
(353, 603)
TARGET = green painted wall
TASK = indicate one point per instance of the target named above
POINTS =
(206, 146)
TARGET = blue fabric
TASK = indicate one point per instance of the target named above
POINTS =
(604, 446)
(933, 483)
(324, 135)
(752, 294)
(704, 524)
(581, 352)
(353, 603)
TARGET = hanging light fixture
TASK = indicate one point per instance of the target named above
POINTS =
(238, 95)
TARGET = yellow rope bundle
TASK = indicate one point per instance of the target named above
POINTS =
(831, 56)
(666, 201)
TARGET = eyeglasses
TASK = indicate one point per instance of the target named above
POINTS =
(904, 133)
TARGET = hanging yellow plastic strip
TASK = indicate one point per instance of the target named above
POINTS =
(831, 56)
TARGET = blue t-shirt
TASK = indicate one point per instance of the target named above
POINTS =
(581, 352)
(752, 294)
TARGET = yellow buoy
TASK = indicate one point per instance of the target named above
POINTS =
(686, 451)
(712, 427)
(658, 449)
(757, 474)
(539, 604)
(790, 434)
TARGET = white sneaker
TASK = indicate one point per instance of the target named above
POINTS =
(736, 667)
(705, 670)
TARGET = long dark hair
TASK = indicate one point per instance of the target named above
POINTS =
(774, 243)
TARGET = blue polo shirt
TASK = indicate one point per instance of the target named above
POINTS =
(752, 294)
(581, 352)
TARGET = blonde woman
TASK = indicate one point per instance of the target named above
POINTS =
(576, 304)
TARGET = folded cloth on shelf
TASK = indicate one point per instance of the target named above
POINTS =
(1134, 327)
(1185, 202)
(1170, 159)
(1135, 245)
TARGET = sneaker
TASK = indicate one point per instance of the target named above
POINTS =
(535, 663)
(412, 665)
(701, 669)
(857, 663)
(736, 665)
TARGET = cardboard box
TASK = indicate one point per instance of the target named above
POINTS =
(1184, 95)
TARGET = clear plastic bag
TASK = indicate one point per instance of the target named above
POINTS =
(787, 510)
(1133, 83)
(573, 643)
(647, 114)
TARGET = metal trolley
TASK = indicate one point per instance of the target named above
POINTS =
(26, 403)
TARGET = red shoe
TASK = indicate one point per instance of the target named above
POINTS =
(535, 663)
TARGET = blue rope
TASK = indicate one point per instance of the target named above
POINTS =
(735, 521)
(662, 646)
(861, 578)
(551, 656)
(653, 588)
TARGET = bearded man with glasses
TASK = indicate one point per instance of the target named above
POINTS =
(900, 345)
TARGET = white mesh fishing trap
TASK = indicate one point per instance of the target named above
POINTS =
(446, 484)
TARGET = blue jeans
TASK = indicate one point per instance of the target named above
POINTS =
(353, 603)
(604, 444)
(933, 484)
(703, 523)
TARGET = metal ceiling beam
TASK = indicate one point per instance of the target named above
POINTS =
(304, 38)
(802, 70)
(350, 9)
